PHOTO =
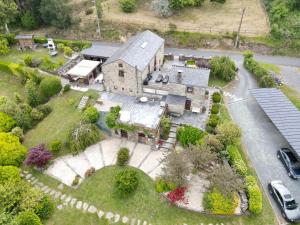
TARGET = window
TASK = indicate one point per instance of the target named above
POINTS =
(130, 90)
(120, 65)
(189, 89)
(122, 89)
(115, 87)
(121, 73)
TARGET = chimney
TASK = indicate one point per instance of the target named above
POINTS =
(179, 76)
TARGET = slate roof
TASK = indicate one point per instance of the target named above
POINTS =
(175, 99)
(98, 50)
(139, 50)
(24, 36)
(284, 115)
(196, 77)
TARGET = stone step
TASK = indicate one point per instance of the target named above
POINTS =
(94, 156)
(78, 163)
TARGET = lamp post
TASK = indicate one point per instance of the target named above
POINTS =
(239, 30)
(97, 18)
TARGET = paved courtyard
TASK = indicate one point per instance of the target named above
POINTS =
(104, 154)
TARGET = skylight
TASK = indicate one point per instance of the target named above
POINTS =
(144, 44)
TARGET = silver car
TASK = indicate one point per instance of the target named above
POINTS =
(285, 200)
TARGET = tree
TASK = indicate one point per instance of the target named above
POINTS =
(38, 156)
(11, 151)
(161, 8)
(4, 49)
(28, 21)
(8, 13)
(7, 123)
(165, 127)
(222, 67)
(50, 86)
(28, 218)
(176, 4)
(225, 179)
(228, 133)
(56, 13)
(176, 168)
(128, 6)
(33, 96)
(200, 156)
(187, 134)
(91, 115)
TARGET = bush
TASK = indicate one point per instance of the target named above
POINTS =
(60, 47)
(28, 60)
(177, 195)
(11, 151)
(28, 218)
(254, 195)
(215, 109)
(216, 97)
(164, 186)
(236, 160)
(68, 51)
(123, 157)
(112, 116)
(50, 86)
(45, 109)
(83, 136)
(223, 68)
(45, 208)
(38, 156)
(55, 146)
(89, 172)
(228, 133)
(28, 21)
(76, 180)
(18, 132)
(91, 115)
(6, 122)
(128, 6)
(4, 48)
(67, 88)
(213, 120)
(165, 127)
(36, 114)
(9, 173)
(187, 135)
(89, 11)
(217, 203)
(126, 182)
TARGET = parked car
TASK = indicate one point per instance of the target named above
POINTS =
(159, 78)
(165, 80)
(290, 162)
(285, 200)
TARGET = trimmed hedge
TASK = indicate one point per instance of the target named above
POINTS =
(254, 195)
(215, 109)
(213, 120)
(236, 160)
(74, 44)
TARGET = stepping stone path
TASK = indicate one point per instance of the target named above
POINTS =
(69, 201)
(83, 102)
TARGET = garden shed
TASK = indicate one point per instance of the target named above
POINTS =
(84, 71)
(26, 41)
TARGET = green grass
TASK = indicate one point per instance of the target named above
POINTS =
(145, 203)
(271, 67)
(292, 94)
(216, 82)
(57, 124)
(9, 85)
(17, 56)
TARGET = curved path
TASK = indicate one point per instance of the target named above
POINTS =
(104, 154)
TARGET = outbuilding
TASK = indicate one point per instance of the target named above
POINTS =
(26, 41)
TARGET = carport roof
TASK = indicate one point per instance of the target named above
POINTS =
(284, 115)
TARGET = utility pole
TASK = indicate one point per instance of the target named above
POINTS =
(239, 30)
(97, 18)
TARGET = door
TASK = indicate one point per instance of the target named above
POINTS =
(141, 138)
(124, 134)
(188, 104)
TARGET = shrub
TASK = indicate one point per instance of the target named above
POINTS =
(165, 127)
(45, 208)
(236, 160)
(123, 157)
(254, 195)
(89, 11)
(112, 116)
(9, 173)
(60, 47)
(28, 60)
(187, 135)
(216, 97)
(6, 122)
(32, 93)
(83, 136)
(91, 115)
(11, 151)
(161, 8)
(18, 132)
(38, 156)
(126, 182)
(50, 86)
(67, 88)
(222, 67)
(76, 180)
(89, 172)
(28, 21)
(28, 218)
(56, 146)
(4, 48)
(36, 114)
(213, 120)
(164, 186)
(215, 109)
(128, 6)
(217, 203)
(68, 51)
(228, 133)
(177, 195)
(45, 109)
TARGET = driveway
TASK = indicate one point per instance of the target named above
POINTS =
(260, 137)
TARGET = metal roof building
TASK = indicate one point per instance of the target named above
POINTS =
(100, 50)
(282, 112)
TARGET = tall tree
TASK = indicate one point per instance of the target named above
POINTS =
(8, 13)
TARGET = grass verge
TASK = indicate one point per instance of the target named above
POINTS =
(292, 94)
(271, 67)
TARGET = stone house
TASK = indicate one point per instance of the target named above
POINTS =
(125, 71)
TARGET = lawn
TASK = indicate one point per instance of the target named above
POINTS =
(292, 94)
(9, 85)
(145, 204)
(57, 124)
(271, 67)
(17, 56)
(214, 82)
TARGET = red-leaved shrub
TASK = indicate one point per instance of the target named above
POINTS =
(38, 156)
(177, 195)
